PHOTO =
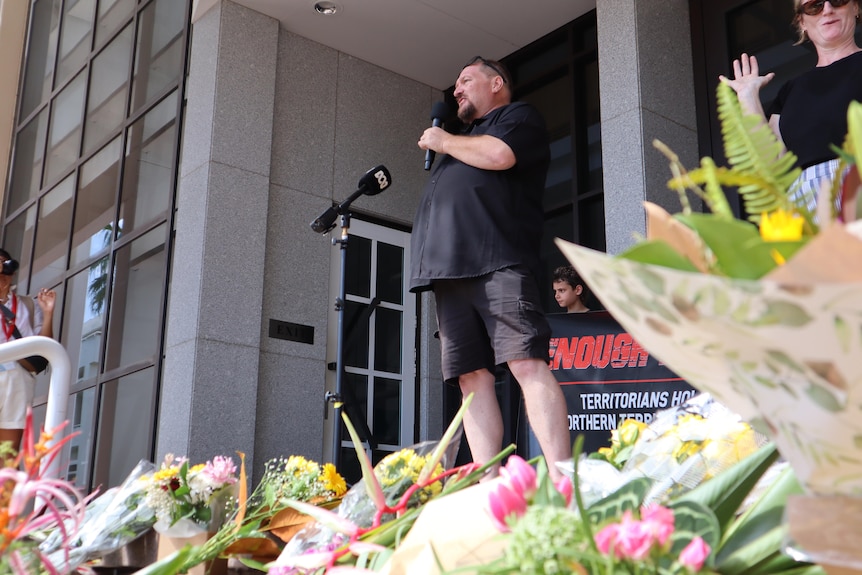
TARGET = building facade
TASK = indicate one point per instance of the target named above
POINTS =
(166, 158)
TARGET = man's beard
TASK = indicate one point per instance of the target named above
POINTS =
(467, 112)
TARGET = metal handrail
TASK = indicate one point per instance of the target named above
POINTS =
(58, 389)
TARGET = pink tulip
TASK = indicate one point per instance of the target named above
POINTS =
(695, 553)
(520, 475)
(564, 486)
(504, 502)
(659, 522)
(634, 538)
(607, 539)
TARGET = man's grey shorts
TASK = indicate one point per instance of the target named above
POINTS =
(489, 320)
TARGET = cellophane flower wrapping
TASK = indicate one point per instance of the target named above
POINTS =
(680, 449)
(396, 472)
(111, 521)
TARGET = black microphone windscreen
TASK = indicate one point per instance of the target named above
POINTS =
(439, 111)
(375, 180)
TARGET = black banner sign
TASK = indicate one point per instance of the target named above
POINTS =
(607, 377)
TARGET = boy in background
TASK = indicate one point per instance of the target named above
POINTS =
(569, 290)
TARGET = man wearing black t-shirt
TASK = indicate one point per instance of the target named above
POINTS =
(475, 243)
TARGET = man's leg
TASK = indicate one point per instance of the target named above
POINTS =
(483, 422)
(546, 410)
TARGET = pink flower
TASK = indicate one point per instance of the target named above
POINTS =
(504, 502)
(695, 553)
(606, 539)
(635, 539)
(564, 486)
(659, 522)
(221, 470)
(520, 475)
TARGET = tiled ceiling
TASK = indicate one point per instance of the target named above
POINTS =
(425, 40)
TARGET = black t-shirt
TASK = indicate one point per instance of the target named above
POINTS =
(470, 221)
(813, 109)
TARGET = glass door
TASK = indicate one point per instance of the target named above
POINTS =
(379, 385)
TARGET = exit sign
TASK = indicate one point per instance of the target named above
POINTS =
(291, 331)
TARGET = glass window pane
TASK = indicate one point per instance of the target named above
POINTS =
(94, 207)
(355, 395)
(591, 211)
(356, 334)
(75, 35)
(150, 161)
(390, 272)
(555, 100)
(125, 426)
(387, 410)
(52, 234)
(84, 319)
(136, 300)
(358, 280)
(41, 48)
(82, 418)
(387, 340)
(106, 107)
(18, 241)
(594, 127)
(112, 14)
(27, 165)
(64, 140)
(159, 50)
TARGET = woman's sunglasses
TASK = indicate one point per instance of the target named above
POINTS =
(816, 7)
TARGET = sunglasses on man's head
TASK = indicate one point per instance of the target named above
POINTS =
(493, 66)
(816, 6)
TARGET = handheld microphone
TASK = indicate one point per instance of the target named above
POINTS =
(439, 112)
(373, 182)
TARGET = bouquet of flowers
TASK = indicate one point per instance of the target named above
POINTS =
(30, 502)
(766, 317)
(184, 498)
(111, 521)
(680, 449)
(300, 479)
(375, 514)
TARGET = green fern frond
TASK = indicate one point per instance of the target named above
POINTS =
(753, 150)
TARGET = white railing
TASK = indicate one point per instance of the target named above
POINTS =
(58, 390)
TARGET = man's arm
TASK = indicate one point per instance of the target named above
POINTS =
(484, 152)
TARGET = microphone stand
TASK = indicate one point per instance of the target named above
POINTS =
(335, 397)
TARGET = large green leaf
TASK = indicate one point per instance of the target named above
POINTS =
(725, 492)
(658, 252)
(728, 240)
(762, 522)
(691, 519)
(629, 497)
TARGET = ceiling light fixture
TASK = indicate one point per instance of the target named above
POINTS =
(326, 8)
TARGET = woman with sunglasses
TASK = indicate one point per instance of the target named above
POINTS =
(810, 112)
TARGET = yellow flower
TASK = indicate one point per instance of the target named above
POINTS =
(629, 431)
(165, 473)
(781, 226)
(333, 481)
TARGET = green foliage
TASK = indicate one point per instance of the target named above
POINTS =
(752, 149)
(629, 497)
(761, 169)
(725, 492)
(658, 252)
